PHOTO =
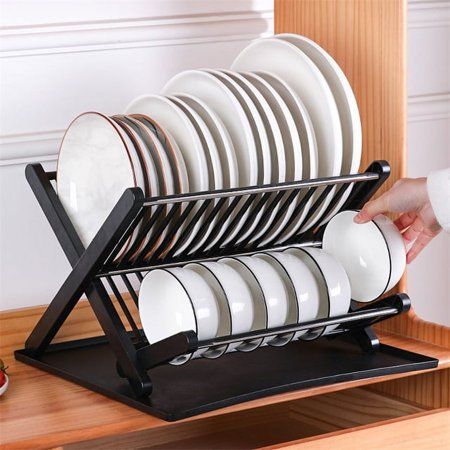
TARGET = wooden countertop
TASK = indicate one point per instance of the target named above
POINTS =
(41, 410)
(429, 430)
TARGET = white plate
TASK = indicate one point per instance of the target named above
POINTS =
(293, 66)
(221, 137)
(151, 178)
(94, 168)
(214, 168)
(275, 142)
(175, 121)
(309, 150)
(262, 147)
(292, 146)
(219, 98)
(346, 104)
(225, 149)
(161, 161)
(171, 150)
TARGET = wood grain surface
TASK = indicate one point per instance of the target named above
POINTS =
(41, 410)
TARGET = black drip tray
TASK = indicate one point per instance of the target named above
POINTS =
(203, 385)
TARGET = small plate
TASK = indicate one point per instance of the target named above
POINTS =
(175, 121)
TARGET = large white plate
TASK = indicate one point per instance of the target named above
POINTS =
(225, 149)
(292, 145)
(292, 65)
(275, 144)
(214, 167)
(231, 106)
(219, 98)
(94, 169)
(308, 144)
(346, 104)
(262, 147)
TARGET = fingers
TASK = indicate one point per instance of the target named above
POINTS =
(421, 242)
(414, 230)
(405, 220)
(372, 209)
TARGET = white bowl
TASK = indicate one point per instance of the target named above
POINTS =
(373, 254)
(222, 303)
(335, 296)
(175, 300)
(290, 297)
(239, 298)
(305, 285)
(259, 303)
(274, 290)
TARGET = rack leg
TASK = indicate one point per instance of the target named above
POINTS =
(367, 339)
(85, 265)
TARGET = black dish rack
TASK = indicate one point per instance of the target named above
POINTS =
(123, 365)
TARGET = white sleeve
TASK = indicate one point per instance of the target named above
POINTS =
(438, 184)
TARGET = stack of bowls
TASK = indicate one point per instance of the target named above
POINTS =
(241, 294)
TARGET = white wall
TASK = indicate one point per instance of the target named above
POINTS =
(429, 143)
(59, 58)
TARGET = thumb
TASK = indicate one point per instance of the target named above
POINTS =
(372, 209)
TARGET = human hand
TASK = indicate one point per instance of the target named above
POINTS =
(417, 222)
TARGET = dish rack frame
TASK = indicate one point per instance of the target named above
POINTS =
(123, 365)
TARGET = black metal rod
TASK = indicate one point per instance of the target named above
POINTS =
(249, 221)
(210, 217)
(125, 309)
(124, 239)
(297, 210)
(174, 229)
(130, 288)
(174, 210)
(346, 318)
(187, 342)
(275, 187)
(236, 220)
(189, 227)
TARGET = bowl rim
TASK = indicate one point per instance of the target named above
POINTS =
(378, 227)
(323, 329)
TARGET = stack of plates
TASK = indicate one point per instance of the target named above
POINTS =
(285, 112)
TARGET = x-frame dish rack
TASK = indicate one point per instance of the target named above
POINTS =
(123, 365)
